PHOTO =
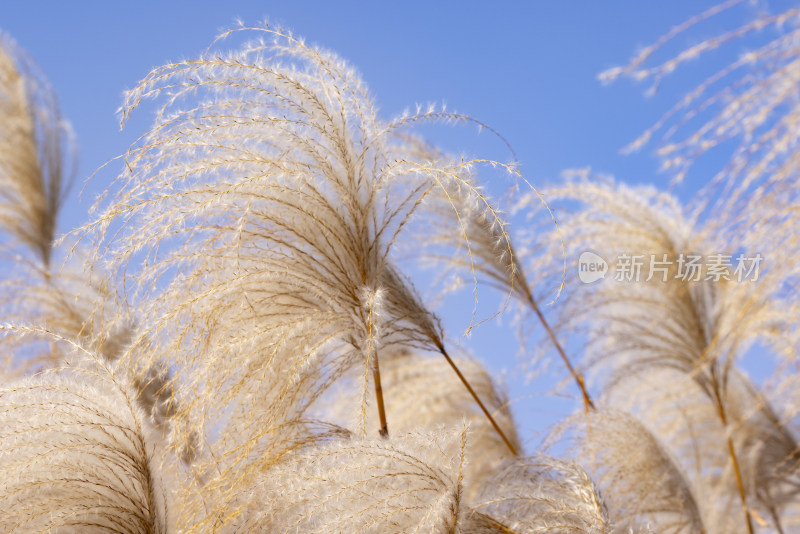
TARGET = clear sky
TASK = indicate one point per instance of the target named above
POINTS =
(528, 69)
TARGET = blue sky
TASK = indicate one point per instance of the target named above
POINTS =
(528, 69)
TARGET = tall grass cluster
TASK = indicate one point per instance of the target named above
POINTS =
(233, 341)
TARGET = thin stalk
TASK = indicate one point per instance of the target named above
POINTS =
(588, 404)
(478, 400)
(734, 459)
(776, 520)
(376, 376)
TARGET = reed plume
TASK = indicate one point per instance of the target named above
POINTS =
(264, 216)
(413, 379)
(406, 484)
(34, 149)
(47, 284)
(643, 484)
(77, 454)
(471, 236)
(749, 104)
(693, 326)
(543, 495)
(749, 101)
